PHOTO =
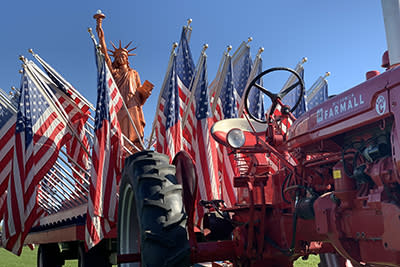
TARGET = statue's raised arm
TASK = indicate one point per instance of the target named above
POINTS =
(100, 33)
(133, 92)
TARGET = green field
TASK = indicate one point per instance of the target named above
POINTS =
(28, 259)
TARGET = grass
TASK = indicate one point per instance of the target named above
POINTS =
(28, 259)
(312, 261)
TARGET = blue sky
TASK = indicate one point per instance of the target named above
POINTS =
(346, 38)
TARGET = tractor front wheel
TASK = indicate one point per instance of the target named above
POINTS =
(151, 217)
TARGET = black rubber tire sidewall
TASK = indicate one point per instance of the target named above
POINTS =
(159, 205)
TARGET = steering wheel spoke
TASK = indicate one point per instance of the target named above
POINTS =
(287, 90)
(265, 91)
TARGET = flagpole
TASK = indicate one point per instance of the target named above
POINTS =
(52, 84)
(47, 66)
(213, 84)
(64, 183)
(216, 79)
(171, 57)
(251, 77)
(38, 71)
(7, 102)
(57, 166)
(189, 29)
(194, 86)
(317, 85)
(220, 80)
(123, 101)
(292, 77)
(240, 50)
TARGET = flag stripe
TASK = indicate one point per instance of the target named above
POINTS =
(106, 158)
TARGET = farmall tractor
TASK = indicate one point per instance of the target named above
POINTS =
(335, 189)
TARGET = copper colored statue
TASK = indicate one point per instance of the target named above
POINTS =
(128, 81)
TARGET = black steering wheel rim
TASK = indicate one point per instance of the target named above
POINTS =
(271, 95)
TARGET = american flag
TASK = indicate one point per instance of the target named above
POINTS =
(317, 96)
(174, 97)
(226, 108)
(2, 206)
(168, 132)
(206, 157)
(256, 99)
(39, 134)
(242, 64)
(7, 129)
(291, 98)
(106, 158)
(77, 110)
(185, 69)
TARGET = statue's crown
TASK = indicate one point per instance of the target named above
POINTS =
(121, 49)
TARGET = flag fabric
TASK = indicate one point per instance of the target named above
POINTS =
(242, 64)
(78, 112)
(106, 158)
(316, 97)
(2, 205)
(168, 133)
(185, 70)
(291, 98)
(174, 97)
(206, 157)
(39, 134)
(256, 99)
(47, 194)
(7, 129)
(227, 96)
(225, 109)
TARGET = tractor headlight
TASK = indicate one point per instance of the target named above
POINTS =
(236, 138)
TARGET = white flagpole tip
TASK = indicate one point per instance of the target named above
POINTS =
(205, 46)
(174, 45)
(261, 50)
(99, 11)
(20, 71)
(30, 51)
(249, 39)
(22, 58)
(89, 30)
(13, 88)
(189, 21)
(229, 48)
(327, 74)
(304, 60)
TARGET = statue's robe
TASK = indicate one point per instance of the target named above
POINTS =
(135, 95)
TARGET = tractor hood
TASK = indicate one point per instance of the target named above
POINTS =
(356, 107)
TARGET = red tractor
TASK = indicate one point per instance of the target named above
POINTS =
(336, 188)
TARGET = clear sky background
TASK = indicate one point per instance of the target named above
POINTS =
(346, 38)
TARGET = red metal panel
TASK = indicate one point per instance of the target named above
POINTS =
(354, 108)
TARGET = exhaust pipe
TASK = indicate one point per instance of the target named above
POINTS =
(391, 17)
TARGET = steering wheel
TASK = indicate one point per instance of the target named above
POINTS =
(271, 95)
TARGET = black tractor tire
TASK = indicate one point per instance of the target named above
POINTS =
(97, 256)
(151, 212)
(49, 255)
(331, 260)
